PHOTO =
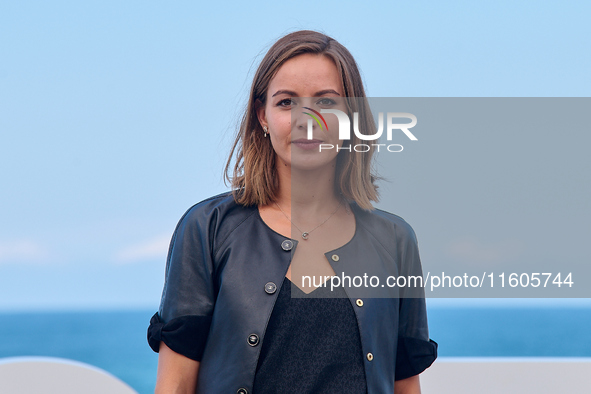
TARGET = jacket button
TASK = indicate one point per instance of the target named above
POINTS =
(253, 339)
(359, 302)
(335, 257)
(287, 245)
(242, 390)
(270, 288)
(369, 356)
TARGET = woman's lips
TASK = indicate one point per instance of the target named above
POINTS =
(307, 144)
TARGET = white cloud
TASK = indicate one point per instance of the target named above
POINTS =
(22, 251)
(149, 250)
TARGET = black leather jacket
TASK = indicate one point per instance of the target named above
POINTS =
(223, 271)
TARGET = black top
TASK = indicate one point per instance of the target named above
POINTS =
(215, 308)
(311, 345)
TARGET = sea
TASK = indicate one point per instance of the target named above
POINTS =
(115, 341)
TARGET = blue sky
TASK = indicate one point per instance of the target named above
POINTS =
(115, 117)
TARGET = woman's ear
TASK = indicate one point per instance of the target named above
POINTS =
(261, 113)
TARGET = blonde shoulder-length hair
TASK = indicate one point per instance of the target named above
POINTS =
(254, 180)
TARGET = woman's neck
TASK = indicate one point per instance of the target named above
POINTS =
(307, 193)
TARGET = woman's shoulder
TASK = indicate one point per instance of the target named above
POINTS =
(222, 200)
(216, 212)
(382, 224)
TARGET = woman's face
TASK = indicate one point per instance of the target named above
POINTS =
(311, 81)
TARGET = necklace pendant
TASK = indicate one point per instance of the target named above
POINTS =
(305, 235)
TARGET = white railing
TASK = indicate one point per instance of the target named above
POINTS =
(507, 376)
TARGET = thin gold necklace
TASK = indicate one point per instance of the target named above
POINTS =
(306, 233)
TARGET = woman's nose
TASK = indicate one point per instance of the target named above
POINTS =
(303, 119)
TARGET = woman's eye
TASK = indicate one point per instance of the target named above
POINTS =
(285, 102)
(326, 101)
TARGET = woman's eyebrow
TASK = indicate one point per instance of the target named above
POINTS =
(326, 91)
(288, 92)
(291, 93)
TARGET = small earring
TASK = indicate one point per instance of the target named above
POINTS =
(265, 131)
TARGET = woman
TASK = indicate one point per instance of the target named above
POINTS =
(230, 320)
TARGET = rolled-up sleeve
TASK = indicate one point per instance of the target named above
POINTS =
(416, 352)
(188, 298)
